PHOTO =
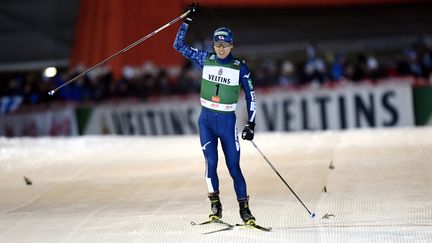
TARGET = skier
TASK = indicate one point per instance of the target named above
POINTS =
(223, 76)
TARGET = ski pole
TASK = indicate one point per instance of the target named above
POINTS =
(275, 170)
(120, 52)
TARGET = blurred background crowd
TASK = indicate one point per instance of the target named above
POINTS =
(152, 81)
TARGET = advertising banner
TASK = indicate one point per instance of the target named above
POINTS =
(60, 122)
(347, 107)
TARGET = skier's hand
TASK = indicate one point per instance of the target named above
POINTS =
(248, 131)
(193, 10)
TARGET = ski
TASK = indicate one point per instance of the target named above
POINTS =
(231, 226)
(254, 226)
(215, 221)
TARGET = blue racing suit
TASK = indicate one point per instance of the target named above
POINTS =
(215, 124)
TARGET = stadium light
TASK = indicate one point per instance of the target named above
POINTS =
(50, 72)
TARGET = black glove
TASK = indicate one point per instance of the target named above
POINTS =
(193, 10)
(248, 131)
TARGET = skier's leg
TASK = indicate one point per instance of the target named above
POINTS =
(231, 148)
(209, 144)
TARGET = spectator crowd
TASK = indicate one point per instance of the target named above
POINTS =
(148, 81)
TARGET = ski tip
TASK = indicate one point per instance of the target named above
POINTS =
(254, 226)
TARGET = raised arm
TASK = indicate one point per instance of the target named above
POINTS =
(193, 54)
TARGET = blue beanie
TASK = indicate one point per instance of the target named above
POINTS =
(223, 34)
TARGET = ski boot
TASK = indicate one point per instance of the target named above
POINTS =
(245, 212)
(216, 206)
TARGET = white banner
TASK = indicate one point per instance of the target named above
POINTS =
(164, 118)
(354, 106)
(48, 123)
(347, 107)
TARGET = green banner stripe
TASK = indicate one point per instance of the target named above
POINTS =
(422, 105)
(83, 115)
